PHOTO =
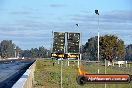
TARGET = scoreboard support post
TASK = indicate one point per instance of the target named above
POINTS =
(68, 62)
(78, 60)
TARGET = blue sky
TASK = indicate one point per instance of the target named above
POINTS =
(29, 22)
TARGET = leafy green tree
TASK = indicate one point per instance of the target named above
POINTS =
(128, 54)
(90, 49)
(7, 49)
(111, 47)
(34, 52)
(42, 52)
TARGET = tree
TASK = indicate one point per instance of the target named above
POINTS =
(128, 55)
(90, 49)
(42, 52)
(111, 47)
(34, 52)
(7, 49)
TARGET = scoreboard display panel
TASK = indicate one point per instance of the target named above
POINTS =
(58, 42)
(57, 55)
(71, 56)
(66, 45)
(73, 42)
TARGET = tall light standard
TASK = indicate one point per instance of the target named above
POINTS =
(52, 39)
(97, 12)
(80, 47)
(15, 52)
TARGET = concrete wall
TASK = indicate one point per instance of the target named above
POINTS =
(27, 79)
(30, 79)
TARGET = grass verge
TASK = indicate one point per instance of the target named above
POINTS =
(48, 76)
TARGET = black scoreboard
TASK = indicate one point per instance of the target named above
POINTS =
(66, 45)
(73, 42)
(58, 42)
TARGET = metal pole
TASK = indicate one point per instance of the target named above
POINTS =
(78, 61)
(66, 45)
(79, 55)
(15, 51)
(98, 42)
(105, 71)
(61, 72)
(52, 42)
(80, 47)
(66, 36)
(105, 66)
(68, 62)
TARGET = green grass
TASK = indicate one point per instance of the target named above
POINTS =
(48, 76)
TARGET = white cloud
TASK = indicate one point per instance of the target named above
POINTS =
(30, 33)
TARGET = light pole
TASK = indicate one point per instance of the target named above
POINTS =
(15, 51)
(79, 58)
(66, 46)
(61, 72)
(97, 12)
(52, 39)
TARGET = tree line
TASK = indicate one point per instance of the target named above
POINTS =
(40, 52)
(9, 50)
(110, 46)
